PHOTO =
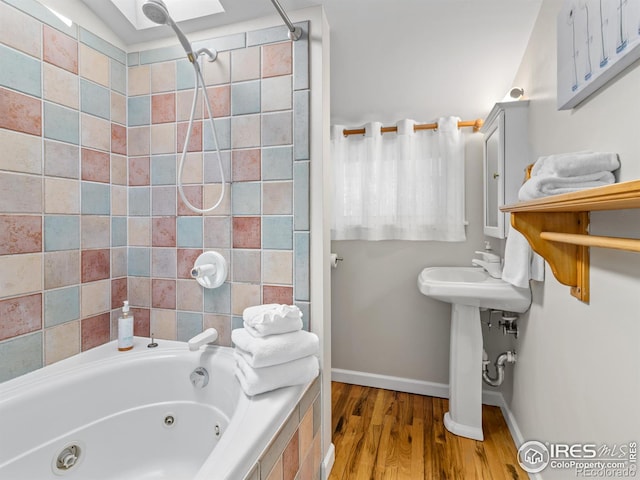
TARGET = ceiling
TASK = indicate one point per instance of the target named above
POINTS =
(393, 59)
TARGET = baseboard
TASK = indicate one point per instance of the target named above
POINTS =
(327, 463)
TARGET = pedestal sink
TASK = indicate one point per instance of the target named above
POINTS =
(468, 289)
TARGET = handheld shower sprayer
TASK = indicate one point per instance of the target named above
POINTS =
(157, 12)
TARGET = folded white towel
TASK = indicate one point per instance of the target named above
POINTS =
(542, 186)
(260, 380)
(521, 263)
(274, 349)
(575, 164)
(272, 319)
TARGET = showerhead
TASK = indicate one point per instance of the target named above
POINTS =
(157, 12)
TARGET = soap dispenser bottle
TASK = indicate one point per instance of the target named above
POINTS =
(125, 329)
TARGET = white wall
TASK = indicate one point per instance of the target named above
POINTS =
(578, 373)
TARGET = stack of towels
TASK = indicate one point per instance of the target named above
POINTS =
(552, 175)
(272, 350)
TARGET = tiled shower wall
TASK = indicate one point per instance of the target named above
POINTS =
(88, 219)
(258, 87)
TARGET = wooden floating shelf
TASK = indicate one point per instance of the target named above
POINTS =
(557, 229)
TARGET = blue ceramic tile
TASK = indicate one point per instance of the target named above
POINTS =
(185, 77)
(228, 42)
(139, 261)
(61, 232)
(218, 300)
(277, 232)
(163, 54)
(305, 308)
(189, 325)
(301, 122)
(95, 198)
(61, 123)
(245, 198)
(118, 231)
(237, 322)
(301, 266)
(245, 98)
(139, 110)
(301, 195)
(20, 72)
(301, 58)
(223, 134)
(277, 129)
(133, 59)
(246, 265)
(95, 99)
(42, 13)
(189, 232)
(163, 201)
(267, 35)
(61, 159)
(20, 355)
(277, 163)
(164, 263)
(118, 77)
(102, 46)
(139, 201)
(163, 170)
(212, 170)
(61, 306)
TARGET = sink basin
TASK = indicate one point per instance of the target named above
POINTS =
(474, 287)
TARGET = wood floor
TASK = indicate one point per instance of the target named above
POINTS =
(382, 434)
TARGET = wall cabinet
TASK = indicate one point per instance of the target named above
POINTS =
(506, 156)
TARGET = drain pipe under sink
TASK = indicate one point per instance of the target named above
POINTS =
(504, 357)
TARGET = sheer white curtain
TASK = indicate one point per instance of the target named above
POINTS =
(406, 186)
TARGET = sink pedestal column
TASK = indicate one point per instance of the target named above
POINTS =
(464, 417)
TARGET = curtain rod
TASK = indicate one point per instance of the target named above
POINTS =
(476, 124)
(294, 32)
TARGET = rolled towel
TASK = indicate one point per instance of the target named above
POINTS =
(274, 349)
(272, 319)
(260, 380)
(543, 186)
(575, 164)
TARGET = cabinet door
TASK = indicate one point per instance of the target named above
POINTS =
(493, 184)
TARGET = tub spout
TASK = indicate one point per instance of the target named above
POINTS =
(208, 336)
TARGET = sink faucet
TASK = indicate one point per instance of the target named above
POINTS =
(208, 336)
(490, 262)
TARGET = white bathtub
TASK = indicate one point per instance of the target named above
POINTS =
(113, 405)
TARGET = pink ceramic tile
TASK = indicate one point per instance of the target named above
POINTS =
(186, 259)
(95, 133)
(244, 295)
(220, 98)
(19, 30)
(195, 141)
(20, 234)
(119, 139)
(96, 265)
(291, 458)
(163, 77)
(95, 166)
(95, 331)
(61, 268)
(118, 292)
(141, 321)
(20, 113)
(246, 165)
(184, 103)
(222, 323)
(62, 341)
(139, 291)
(139, 80)
(94, 65)
(118, 170)
(59, 49)
(138, 141)
(20, 315)
(276, 59)
(277, 198)
(189, 297)
(194, 195)
(163, 108)
(163, 293)
(274, 294)
(306, 432)
(163, 232)
(139, 171)
(246, 232)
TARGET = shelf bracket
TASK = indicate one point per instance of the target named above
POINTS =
(569, 263)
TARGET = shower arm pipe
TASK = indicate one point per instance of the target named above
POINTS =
(476, 124)
(294, 32)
